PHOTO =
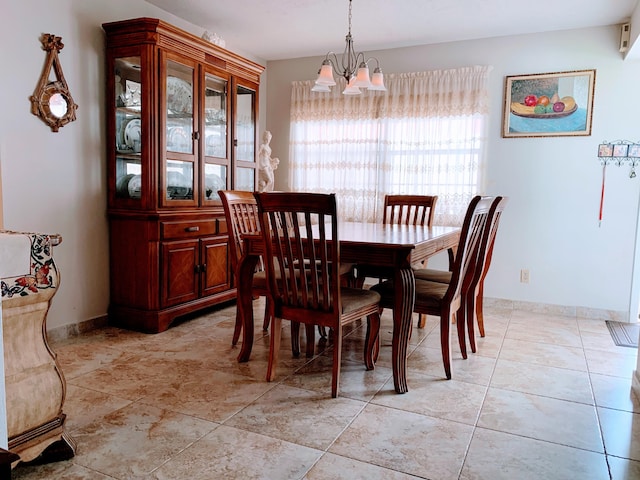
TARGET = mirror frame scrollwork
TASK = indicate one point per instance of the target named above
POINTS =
(47, 97)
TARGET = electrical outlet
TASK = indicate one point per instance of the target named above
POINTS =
(524, 276)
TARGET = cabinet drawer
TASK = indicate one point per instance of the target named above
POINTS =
(187, 229)
(222, 225)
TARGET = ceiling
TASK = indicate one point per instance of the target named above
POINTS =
(282, 29)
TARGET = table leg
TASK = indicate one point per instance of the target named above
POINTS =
(405, 296)
(246, 267)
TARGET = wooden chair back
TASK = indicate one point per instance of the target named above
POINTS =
(409, 209)
(468, 249)
(474, 307)
(302, 261)
(302, 258)
(489, 237)
(241, 213)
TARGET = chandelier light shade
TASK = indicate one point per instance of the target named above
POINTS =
(354, 67)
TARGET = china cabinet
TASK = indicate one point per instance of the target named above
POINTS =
(181, 125)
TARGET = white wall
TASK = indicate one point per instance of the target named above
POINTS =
(551, 223)
(56, 182)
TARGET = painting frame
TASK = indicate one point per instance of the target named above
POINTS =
(531, 108)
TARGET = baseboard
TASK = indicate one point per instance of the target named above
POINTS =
(562, 310)
(73, 330)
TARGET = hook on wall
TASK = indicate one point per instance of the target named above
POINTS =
(620, 152)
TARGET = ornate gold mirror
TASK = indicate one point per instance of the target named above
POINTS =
(52, 101)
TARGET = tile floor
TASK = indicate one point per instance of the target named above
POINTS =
(546, 397)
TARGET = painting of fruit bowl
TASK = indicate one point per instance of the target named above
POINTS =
(548, 104)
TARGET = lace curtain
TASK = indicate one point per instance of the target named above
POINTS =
(425, 135)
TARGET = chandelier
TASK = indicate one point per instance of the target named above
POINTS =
(353, 67)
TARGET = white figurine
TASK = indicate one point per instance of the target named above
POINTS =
(266, 164)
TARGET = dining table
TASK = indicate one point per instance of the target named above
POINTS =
(390, 248)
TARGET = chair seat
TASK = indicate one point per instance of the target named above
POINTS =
(355, 299)
(260, 281)
(432, 275)
(429, 295)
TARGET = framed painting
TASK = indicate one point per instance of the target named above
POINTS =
(548, 104)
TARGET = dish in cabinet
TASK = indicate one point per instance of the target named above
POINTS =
(133, 134)
(179, 96)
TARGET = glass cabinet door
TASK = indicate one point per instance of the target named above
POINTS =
(245, 139)
(180, 128)
(216, 157)
(128, 128)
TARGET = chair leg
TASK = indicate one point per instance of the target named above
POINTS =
(479, 308)
(372, 341)
(337, 358)
(238, 327)
(445, 321)
(422, 320)
(310, 330)
(267, 316)
(295, 339)
(460, 327)
(470, 319)
(323, 331)
(274, 347)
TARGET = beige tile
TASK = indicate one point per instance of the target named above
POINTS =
(528, 459)
(437, 397)
(133, 441)
(489, 345)
(139, 403)
(82, 406)
(536, 353)
(592, 325)
(289, 413)
(623, 469)
(556, 333)
(621, 431)
(559, 383)
(335, 467)
(474, 369)
(599, 341)
(210, 395)
(355, 381)
(558, 421)
(78, 359)
(614, 392)
(229, 453)
(63, 470)
(621, 363)
(137, 377)
(407, 442)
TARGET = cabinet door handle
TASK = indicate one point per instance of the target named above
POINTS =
(196, 135)
(196, 269)
(192, 229)
(203, 267)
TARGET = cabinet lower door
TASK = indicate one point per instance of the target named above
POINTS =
(179, 272)
(217, 270)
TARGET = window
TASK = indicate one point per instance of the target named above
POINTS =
(425, 135)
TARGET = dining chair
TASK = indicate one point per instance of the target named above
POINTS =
(473, 309)
(445, 299)
(241, 214)
(302, 259)
(402, 210)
